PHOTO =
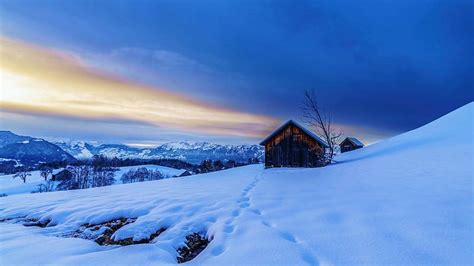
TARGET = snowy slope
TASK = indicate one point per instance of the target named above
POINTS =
(406, 200)
(11, 186)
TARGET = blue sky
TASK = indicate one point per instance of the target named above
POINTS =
(380, 67)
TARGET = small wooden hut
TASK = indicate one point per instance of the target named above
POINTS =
(292, 145)
(62, 175)
(350, 144)
(185, 173)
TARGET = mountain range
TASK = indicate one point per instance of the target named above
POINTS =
(30, 151)
(192, 152)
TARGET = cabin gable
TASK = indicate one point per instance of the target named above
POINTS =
(293, 146)
(350, 144)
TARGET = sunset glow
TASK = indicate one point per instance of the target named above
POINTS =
(40, 81)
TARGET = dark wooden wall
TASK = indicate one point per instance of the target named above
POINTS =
(293, 148)
(346, 146)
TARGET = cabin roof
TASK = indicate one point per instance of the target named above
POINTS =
(64, 171)
(291, 122)
(354, 141)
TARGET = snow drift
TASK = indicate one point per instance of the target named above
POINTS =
(406, 200)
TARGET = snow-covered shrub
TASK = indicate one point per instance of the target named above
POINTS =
(206, 166)
(140, 175)
(47, 186)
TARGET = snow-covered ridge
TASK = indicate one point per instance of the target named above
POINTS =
(193, 152)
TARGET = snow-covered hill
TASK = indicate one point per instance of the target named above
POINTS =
(29, 151)
(192, 152)
(404, 201)
(11, 186)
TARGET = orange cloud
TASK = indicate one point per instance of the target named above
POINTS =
(42, 81)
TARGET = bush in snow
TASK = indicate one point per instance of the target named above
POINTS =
(47, 186)
(140, 175)
(218, 165)
(206, 166)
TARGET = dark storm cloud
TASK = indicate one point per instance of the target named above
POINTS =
(391, 65)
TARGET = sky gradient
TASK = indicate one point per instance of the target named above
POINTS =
(145, 72)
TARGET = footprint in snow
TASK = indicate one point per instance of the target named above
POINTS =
(228, 229)
(309, 258)
(267, 224)
(216, 251)
(235, 213)
(288, 236)
(244, 205)
(243, 199)
(257, 212)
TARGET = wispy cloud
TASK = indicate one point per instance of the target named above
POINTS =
(158, 59)
(46, 82)
(163, 58)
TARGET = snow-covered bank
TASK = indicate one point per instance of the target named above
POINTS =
(11, 186)
(407, 200)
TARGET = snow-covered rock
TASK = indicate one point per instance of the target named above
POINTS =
(404, 201)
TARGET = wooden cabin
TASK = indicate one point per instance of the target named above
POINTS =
(185, 173)
(350, 144)
(62, 175)
(292, 145)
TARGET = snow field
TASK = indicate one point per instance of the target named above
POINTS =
(404, 201)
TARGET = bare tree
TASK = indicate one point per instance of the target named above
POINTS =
(22, 174)
(47, 186)
(141, 174)
(80, 178)
(45, 172)
(103, 176)
(321, 123)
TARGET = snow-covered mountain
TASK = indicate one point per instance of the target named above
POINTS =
(16, 150)
(29, 151)
(192, 152)
(195, 152)
(407, 200)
